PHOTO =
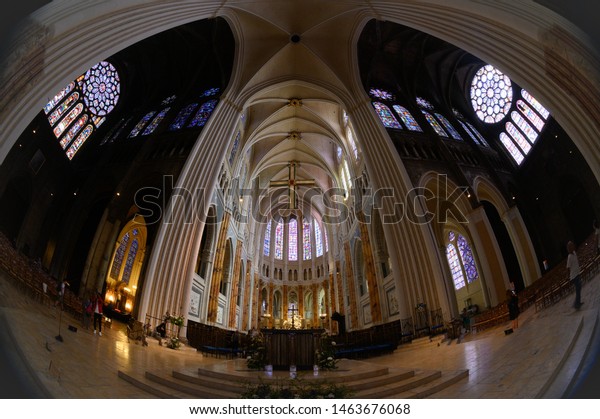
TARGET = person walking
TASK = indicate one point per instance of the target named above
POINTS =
(574, 273)
(97, 310)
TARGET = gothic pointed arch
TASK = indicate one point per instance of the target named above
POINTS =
(123, 276)
(511, 233)
(207, 244)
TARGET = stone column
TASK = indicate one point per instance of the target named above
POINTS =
(351, 287)
(368, 260)
(217, 275)
(235, 285)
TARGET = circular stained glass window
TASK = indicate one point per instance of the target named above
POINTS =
(491, 94)
(101, 88)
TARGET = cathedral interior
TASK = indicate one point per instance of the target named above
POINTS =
(253, 167)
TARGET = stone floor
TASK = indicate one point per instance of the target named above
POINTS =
(538, 360)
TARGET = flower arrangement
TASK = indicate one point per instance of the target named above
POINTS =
(325, 357)
(257, 352)
(173, 342)
(296, 389)
(177, 321)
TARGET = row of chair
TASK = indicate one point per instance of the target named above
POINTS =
(30, 279)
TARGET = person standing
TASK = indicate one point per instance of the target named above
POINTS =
(512, 301)
(574, 273)
(87, 312)
(61, 288)
(97, 310)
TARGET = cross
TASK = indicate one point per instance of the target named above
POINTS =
(293, 310)
(292, 183)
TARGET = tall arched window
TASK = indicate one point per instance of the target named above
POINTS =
(156, 121)
(460, 260)
(387, 117)
(448, 126)
(410, 122)
(318, 239)
(434, 124)
(267, 242)
(279, 240)
(203, 113)
(306, 239)
(182, 117)
(123, 277)
(293, 240)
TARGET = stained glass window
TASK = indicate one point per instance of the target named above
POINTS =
(120, 129)
(537, 105)
(140, 125)
(86, 100)
(75, 128)
(491, 94)
(279, 240)
(306, 239)
(98, 120)
(468, 131)
(267, 242)
(129, 262)
(183, 116)
(326, 242)
(293, 240)
(407, 118)
(468, 261)
(64, 106)
(462, 263)
(234, 149)
(381, 94)
(101, 88)
(512, 148)
(518, 138)
(448, 126)
(434, 124)
(119, 255)
(156, 121)
(476, 132)
(524, 126)
(66, 121)
(318, 239)
(386, 116)
(81, 138)
(457, 274)
(423, 103)
(537, 122)
(210, 92)
(203, 114)
(58, 97)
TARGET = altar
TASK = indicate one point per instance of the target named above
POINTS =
(286, 347)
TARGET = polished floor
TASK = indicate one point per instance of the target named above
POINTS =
(539, 359)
